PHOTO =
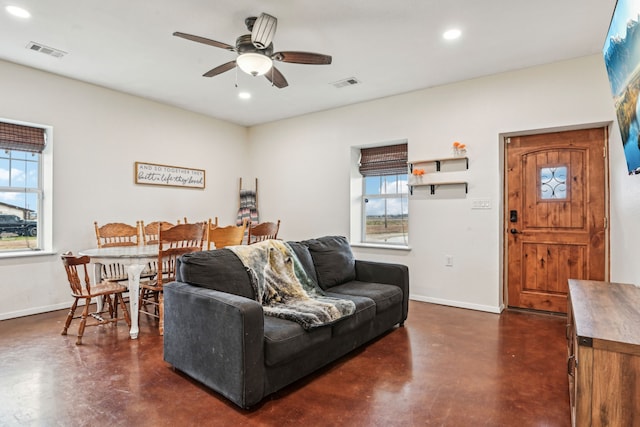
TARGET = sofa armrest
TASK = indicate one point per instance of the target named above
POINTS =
(386, 273)
(217, 339)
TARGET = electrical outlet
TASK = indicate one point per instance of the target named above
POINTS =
(448, 260)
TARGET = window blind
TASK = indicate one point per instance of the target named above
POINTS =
(20, 137)
(385, 160)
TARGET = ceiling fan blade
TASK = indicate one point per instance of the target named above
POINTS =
(220, 69)
(204, 40)
(302, 58)
(276, 77)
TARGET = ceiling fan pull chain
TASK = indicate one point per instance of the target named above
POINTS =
(236, 76)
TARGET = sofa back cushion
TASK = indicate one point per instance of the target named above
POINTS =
(220, 270)
(303, 254)
(333, 260)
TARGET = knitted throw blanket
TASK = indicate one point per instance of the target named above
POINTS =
(284, 288)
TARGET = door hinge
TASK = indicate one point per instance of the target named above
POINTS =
(606, 222)
(508, 140)
(604, 151)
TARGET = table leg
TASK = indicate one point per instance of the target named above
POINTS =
(134, 271)
(97, 278)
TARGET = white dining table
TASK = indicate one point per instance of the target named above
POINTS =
(136, 259)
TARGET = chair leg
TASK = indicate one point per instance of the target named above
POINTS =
(72, 312)
(114, 307)
(161, 312)
(83, 321)
(124, 309)
(110, 303)
(156, 307)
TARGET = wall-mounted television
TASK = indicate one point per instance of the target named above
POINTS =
(622, 58)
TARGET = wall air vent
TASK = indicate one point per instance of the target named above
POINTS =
(38, 47)
(351, 81)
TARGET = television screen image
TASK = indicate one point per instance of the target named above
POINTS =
(622, 59)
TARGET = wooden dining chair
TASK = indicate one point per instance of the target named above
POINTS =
(149, 232)
(116, 234)
(173, 243)
(149, 235)
(82, 289)
(263, 231)
(219, 237)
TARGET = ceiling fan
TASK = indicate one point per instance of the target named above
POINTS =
(255, 51)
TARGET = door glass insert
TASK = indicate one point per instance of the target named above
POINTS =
(553, 183)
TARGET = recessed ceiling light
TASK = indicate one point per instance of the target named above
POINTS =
(452, 34)
(244, 95)
(18, 11)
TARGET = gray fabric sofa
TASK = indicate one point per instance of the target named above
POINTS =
(215, 331)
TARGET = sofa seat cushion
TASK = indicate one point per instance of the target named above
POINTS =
(385, 296)
(365, 312)
(284, 340)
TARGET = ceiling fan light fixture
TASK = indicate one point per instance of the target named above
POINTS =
(255, 64)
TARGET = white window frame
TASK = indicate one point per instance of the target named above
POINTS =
(386, 196)
(357, 208)
(45, 202)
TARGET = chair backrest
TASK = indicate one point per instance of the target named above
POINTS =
(150, 231)
(71, 265)
(219, 237)
(116, 234)
(175, 242)
(263, 231)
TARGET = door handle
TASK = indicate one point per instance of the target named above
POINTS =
(571, 365)
(514, 231)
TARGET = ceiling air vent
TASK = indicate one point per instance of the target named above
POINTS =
(351, 81)
(38, 47)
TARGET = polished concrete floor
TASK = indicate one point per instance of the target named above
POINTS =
(446, 367)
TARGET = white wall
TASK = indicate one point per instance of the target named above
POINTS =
(98, 135)
(303, 166)
(309, 190)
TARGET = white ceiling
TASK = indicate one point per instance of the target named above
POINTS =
(391, 47)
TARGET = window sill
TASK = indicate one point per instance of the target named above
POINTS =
(381, 246)
(26, 254)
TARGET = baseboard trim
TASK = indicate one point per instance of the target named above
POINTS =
(35, 310)
(459, 304)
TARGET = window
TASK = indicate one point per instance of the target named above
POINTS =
(384, 201)
(21, 189)
(553, 183)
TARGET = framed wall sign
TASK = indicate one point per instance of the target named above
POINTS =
(172, 176)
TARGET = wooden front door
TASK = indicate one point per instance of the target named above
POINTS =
(555, 219)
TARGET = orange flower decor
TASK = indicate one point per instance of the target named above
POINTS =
(418, 172)
(459, 149)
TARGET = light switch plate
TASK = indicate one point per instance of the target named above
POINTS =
(481, 204)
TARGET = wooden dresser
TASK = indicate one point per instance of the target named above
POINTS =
(603, 336)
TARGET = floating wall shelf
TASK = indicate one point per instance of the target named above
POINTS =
(435, 166)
